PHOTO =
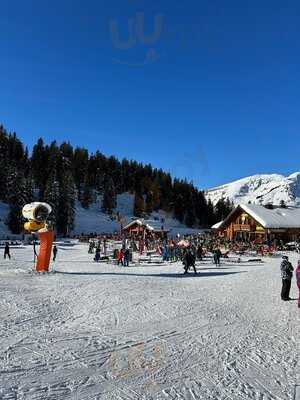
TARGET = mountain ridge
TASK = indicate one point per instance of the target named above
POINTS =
(259, 189)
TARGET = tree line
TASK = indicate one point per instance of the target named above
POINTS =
(61, 175)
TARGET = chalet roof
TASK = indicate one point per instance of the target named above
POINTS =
(276, 218)
(217, 225)
(151, 225)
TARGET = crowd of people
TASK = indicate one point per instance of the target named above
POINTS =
(187, 250)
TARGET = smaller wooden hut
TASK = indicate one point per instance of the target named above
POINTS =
(145, 228)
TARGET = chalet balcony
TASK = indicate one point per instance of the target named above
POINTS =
(242, 227)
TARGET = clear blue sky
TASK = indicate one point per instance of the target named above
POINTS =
(214, 96)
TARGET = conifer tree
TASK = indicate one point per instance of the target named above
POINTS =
(16, 198)
(52, 197)
(139, 205)
(109, 196)
(86, 197)
(66, 211)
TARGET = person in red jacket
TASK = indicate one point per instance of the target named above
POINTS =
(120, 257)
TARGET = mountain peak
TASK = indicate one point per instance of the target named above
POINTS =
(260, 189)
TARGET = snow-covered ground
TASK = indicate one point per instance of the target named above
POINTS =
(95, 331)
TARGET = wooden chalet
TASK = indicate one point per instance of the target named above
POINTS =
(256, 223)
(145, 228)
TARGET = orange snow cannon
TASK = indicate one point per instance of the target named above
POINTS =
(43, 259)
(37, 213)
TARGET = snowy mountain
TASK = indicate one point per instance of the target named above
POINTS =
(260, 189)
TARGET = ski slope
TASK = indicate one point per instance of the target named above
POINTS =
(95, 331)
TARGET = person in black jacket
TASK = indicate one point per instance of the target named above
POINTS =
(217, 256)
(286, 269)
(54, 252)
(6, 251)
(189, 260)
(126, 258)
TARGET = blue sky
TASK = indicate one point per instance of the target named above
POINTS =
(213, 96)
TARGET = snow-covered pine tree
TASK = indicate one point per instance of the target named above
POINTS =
(16, 198)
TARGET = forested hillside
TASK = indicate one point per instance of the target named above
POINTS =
(60, 175)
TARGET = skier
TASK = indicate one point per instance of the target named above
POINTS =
(91, 247)
(286, 275)
(217, 255)
(126, 258)
(298, 281)
(6, 251)
(189, 261)
(97, 255)
(54, 252)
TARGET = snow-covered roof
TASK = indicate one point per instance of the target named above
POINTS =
(275, 218)
(135, 221)
(151, 225)
(217, 225)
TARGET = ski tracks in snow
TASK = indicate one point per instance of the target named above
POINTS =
(147, 337)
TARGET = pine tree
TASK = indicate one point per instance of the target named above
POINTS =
(210, 213)
(66, 209)
(190, 218)
(39, 165)
(222, 209)
(16, 198)
(29, 189)
(52, 197)
(149, 202)
(86, 197)
(139, 205)
(109, 196)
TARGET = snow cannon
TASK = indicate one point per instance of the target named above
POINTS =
(37, 214)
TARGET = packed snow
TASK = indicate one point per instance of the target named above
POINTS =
(99, 331)
(261, 188)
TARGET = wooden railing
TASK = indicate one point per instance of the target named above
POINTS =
(242, 227)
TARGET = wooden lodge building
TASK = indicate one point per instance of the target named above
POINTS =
(141, 228)
(256, 223)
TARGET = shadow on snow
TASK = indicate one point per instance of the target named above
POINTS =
(168, 275)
